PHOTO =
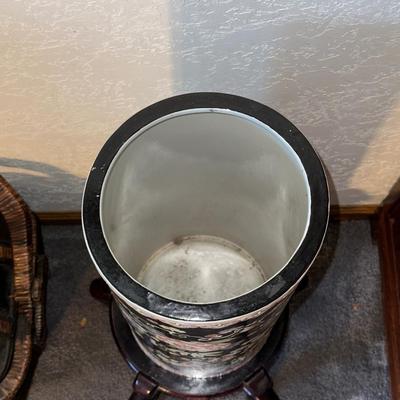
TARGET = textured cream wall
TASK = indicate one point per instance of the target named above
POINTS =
(72, 71)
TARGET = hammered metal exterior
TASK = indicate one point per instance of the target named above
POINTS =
(203, 349)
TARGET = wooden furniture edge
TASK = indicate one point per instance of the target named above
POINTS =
(352, 212)
(59, 217)
(337, 213)
(388, 236)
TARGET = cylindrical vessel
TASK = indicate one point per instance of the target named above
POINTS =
(202, 213)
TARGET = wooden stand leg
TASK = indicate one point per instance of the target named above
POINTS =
(144, 388)
(100, 291)
(259, 386)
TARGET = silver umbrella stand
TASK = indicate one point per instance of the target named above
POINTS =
(202, 214)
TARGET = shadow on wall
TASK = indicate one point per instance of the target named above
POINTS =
(332, 70)
(45, 181)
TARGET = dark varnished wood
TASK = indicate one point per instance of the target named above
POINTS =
(389, 249)
(353, 212)
(59, 217)
(338, 213)
(259, 386)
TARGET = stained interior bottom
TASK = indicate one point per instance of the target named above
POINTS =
(201, 269)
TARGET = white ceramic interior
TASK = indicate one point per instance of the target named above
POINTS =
(204, 182)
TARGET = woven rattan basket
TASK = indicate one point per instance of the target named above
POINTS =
(22, 251)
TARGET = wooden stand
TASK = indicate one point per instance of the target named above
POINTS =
(253, 379)
(257, 385)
